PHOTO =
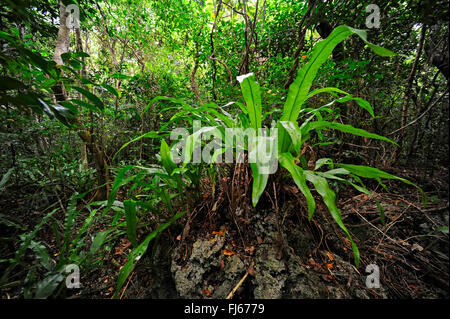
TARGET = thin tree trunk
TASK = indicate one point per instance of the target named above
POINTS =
(301, 42)
(244, 67)
(213, 50)
(79, 43)
(62, 46)
(422, 108)
(408, 93)
(194, 86)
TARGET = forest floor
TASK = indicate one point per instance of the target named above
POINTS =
(297, 259)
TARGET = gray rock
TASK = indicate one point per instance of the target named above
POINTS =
(268, 287)
(203, 268)
(234, 266)
(203, 249)
(274, 277)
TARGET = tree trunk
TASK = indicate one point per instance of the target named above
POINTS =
(62, 46)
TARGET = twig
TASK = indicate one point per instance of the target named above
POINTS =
(231, 294)
(194, 71)
(225, 66)
(393, 240)
(276, 212)
(420, 210)
(421, 115)
(126, 286)
(425, 235)
(362, 146)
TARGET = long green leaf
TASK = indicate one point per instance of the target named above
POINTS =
(163, 98)
(131, 220)
(27, 238)
(326, 90)
(381, 210)
(119, 181)
(288, 162)
(259, 183)
(110, 89)
(84, 104)
(151, 134)
(169, 165)
(299, 89)
(371, 172)
(91, 97)
(329, 198)
(6, 177)
(252, 96)
(327, 175)
(361, 102)
(137, 253)
(7, 83)
(98, 241)
(166, 157)
(47, 286)
(69, 221)
(192, 140)
(343, 128)
(294, 133)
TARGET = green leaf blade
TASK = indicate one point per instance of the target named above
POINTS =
(288, 162)
(329, 198)
(131, 220)
(252, 96)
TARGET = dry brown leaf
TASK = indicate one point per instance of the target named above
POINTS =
(207, 293)
(330, 256)
(227, 252)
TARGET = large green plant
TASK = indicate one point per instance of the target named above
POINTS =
(167, 183)
(293, 135)
(295, 127)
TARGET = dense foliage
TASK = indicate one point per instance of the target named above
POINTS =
(87, 115)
